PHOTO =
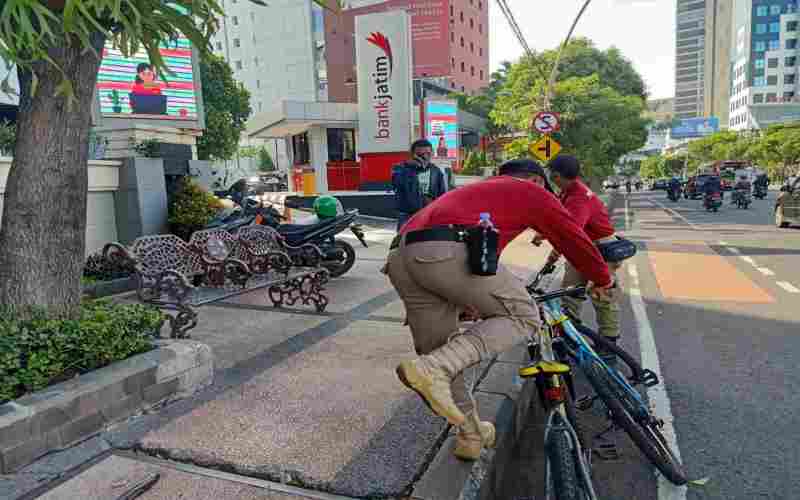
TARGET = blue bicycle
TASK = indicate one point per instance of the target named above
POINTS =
(565, 338)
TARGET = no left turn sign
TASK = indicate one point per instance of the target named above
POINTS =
(546, 122)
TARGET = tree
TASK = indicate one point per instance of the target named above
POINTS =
(227, 108)
(652, 167)
(777, 149)
(56, 46)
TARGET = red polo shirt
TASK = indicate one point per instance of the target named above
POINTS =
(588, 211)
(514, 206)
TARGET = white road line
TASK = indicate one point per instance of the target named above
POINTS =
(747, 259)
(765, 271)
(734, 250)
(681, 217)
(627, 214)
(723, 243)
(788, 287)
(659, 399)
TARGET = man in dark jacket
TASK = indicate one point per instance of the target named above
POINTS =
(416, 182)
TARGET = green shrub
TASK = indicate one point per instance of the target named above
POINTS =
(474, 163)
(42, 350)
(192, 208)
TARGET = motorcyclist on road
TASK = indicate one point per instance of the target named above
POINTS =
(628, 186)
(675, 186)
(712, 187)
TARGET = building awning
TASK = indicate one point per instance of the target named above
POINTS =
(295, 117)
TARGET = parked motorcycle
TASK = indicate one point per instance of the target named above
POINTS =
(712, 202)
(338, 255)
(760, 192)
(742, 198)
(231, 219)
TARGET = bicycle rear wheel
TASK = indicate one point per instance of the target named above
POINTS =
(567, 478)
(645, 434)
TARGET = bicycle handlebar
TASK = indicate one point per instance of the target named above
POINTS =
(574, 292)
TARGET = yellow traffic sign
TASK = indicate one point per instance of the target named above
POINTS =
(545, 148)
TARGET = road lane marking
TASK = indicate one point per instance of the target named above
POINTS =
(747, 259)
(674, 212)
(703, 275)
(765, 271)
(788, 287)
(657, 396)
(734, 250)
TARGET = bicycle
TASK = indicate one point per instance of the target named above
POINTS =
(565, 338)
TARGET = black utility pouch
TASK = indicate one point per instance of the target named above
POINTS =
(482, 245)
(617, 251)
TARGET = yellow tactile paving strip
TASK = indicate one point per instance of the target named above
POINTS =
(703, 276)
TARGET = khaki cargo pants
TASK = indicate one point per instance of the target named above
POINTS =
(434, 282)
(606, 311)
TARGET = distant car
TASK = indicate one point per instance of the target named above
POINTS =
(660, 184)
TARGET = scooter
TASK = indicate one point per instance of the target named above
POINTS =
(742, 198)
(338, 255)
(712, 202)
(232, 219)
(760, 192)
(674, 195)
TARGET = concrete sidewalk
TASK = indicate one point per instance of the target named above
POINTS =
(302, 399)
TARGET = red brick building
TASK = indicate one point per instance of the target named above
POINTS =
(450, 40)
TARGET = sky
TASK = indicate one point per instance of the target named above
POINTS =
(644, 30)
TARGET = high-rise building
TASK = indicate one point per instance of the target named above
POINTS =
(690, 57)
(719, 38)
(764, 61)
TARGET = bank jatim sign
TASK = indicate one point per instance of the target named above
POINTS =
(383, 58)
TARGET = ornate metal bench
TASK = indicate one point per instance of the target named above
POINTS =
(262, 253)
(175, 275)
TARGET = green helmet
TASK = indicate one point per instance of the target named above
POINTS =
(326, 206)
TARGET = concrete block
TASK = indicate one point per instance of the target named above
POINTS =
(122, 408)
(23, 453)
(82, 427)
(158, 392)
(195, 379)
(15, 424)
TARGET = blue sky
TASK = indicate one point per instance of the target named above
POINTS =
(644, 30)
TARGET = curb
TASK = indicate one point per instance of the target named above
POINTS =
(108, 288)
(72, 411)
(503, 399)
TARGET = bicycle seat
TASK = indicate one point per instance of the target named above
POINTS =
(544, 368)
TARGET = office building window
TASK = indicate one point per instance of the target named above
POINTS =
(774, 27)
(774, 44)
(253, 16)
(452, 11)
(791, 26)
(480, 5)
(237, 42)
(463, 67)
(256, 60)
(772, 97)
(480, 28)
(758, 98)
(255, 40)
(472, 71)
(472, 2)
(300, 151)
(235, 21)
(472, 47)
(761, 28)
(452, 85)
(788, 96)
(759, 64)
(790, 62)
(480, 51)
(463, 89)
(762, 10)
(773, 62)
(452, 36)
(238, 65)
(775, 10)
(341, 144)
(791, 43)
(453, 62)
(772, 79)
(462, 41)
(471, 24)
(760, 46)
(789, 79)
(219, 45)
(758, 72)
(759, 81)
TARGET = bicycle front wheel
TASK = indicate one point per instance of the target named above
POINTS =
(645, 434)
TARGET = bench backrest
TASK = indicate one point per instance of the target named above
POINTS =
(200, 239)
(261, 239)
(164, 252)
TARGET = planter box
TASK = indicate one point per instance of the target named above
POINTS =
(113, 287)
(72, 411)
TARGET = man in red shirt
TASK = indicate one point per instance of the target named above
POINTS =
(428, 266)
(589, 213)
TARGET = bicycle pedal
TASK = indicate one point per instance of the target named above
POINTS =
(607, 451)
(648, 378)
(585, 403)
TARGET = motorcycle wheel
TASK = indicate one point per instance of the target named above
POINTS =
(339, 267)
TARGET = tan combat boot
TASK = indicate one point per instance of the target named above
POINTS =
(430, 376)
(473, 436)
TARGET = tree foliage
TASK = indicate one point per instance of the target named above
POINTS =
(227, 108)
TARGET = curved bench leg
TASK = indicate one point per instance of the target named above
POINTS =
(307, 290)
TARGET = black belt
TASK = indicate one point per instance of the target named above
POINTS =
(433, 234)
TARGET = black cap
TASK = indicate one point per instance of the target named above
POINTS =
(524, 166)
(567, 166)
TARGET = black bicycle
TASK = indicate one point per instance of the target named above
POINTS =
(626, 408)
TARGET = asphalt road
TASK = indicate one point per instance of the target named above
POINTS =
(721, 295)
